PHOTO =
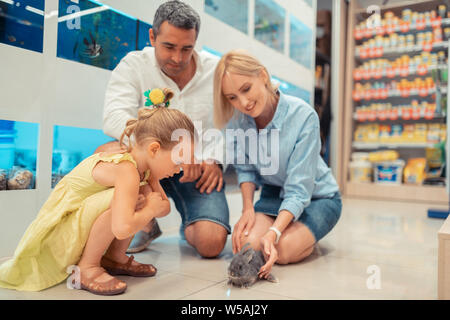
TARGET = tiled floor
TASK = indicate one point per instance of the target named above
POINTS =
(397, 238)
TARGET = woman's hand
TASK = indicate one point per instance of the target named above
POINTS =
(244, 225)
(270, 253)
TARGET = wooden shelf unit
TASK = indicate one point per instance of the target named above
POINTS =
(403, 192)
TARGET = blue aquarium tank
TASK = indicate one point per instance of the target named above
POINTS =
(71, 145)
(18, 153)
(22, 23)
(269, 24)
(92, 33)
(232, 12)
(301, 42)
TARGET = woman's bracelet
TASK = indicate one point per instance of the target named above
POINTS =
(278, 233)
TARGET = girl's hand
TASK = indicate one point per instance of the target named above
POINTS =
(270, 254)
(140, 203)
(159, 205)
(244, 225)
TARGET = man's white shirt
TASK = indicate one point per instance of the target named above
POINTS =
(138, 72)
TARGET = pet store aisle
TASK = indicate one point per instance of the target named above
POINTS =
(378, 250)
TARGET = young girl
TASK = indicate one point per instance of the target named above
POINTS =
(300, 203)
(94, 211)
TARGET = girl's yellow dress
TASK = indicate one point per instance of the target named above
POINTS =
(56, 238)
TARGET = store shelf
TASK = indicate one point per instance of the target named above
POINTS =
(436, 117)
(398, 94)
(411, 30)
(429, 194)
(376, 145)
(395, 52)
(395, 84)
(372, 76)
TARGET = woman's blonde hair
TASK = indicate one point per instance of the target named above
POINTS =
(157, 124)
(238, 62)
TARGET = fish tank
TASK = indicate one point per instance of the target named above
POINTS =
(18, 153)
(301, 42)
(232, 12)
(22, 24)
(70, 146)
(269, 24)
(92, 33)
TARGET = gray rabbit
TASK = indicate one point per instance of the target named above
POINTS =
(244, 267)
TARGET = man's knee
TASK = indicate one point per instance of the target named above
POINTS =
(209, 238)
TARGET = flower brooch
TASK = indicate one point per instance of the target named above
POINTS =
(156, 98)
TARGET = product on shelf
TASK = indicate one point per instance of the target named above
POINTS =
(360, 156)
(361, 171)
(435, 161)
(434, 133)
(443, 136)
(420, 133)
(383, 156)
(389, 172)
(414, 172)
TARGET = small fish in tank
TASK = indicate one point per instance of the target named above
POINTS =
(93, 49)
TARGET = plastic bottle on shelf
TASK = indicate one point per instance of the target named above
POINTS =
(447, 33)
(437, 35)
(414, 16)
(406, 15)
(442, 11)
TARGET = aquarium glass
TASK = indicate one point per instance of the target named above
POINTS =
(212, 51)
(143, 37)
(71, 145)
(232, 12)
(96, 34)
(292, 90)
(269, 24)
(22, 23)
(18, 152)
(301, 40)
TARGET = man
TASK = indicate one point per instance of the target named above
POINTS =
(173, 63)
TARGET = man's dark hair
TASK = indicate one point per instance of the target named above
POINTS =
(178, 14)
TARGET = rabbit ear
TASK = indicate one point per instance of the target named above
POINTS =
(249, 255)
(245, 247)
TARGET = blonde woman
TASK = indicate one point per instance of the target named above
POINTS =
(300, 203)
(94, 211)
